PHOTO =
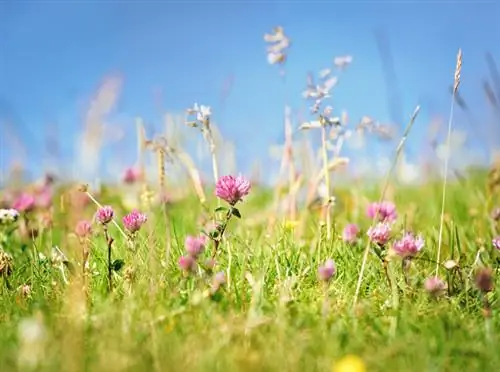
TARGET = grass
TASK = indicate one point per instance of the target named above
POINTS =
(269, 315)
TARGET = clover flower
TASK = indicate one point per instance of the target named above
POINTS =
(24, 203)
(232, 189)
(327, 270)
(380, 233)
(384, 211)
(83, 228)
(350, 233)
(134, 221)
(408, 246)
(195, 245)
(104, 215)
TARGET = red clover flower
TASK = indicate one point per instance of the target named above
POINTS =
(134, 221)
(327, 271)
(384, 211)
(434, 286)
(232, 189)
(350, 233)
(24, 203)
(83, 229)
(496, 242)
(380, 233)
(195, 245)
(104, 215)
(408, 246)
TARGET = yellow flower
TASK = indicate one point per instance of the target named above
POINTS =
(349, 363)
(290, 224)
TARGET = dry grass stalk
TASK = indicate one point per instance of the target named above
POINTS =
(456, 84)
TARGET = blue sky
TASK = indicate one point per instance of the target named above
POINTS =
(54, 54)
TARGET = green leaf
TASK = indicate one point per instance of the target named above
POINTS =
(220, 209)
(236, 212)
(117, 265)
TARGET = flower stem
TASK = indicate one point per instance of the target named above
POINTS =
(220, 230)
(109, 242)
(327, 182)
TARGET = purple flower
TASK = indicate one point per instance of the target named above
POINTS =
(218, 281)
(104, 215)
(380, 233)
(134, 221)
(408, 246)
(327, 271)
(384, 211)
(195, 245)
(484, 279)
(350, 233)
(434, 286)
(131, 175)
(24, 202)
(232, 189)
(44, 198)
(83, 229)
(187, 263)
(496, 242)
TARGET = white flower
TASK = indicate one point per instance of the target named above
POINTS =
(204, 113)
(8, 216)
(342, 62)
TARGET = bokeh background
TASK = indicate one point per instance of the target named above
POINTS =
(68, 68)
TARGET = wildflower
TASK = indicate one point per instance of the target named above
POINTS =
(44, 198)
(24, 203)
(327, 271)
(484, 279)
(434, 286)
(25, 290)
(342, 62)
(232, 189)
(350, 233)
(349, 363)
(6, 264)
(83, 228)
(496, 242)
(291, 224)
(384, 211)
(187, 263)
(104, 215)
(134, 221)
(202, 113)
(195, 245)
(278, 43)
(131, 175)
(8, 216)
(380, 233)
(219, 280)
(408, 246)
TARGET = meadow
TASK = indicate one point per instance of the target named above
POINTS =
(224, 273)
